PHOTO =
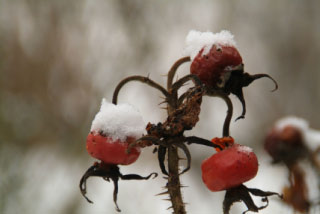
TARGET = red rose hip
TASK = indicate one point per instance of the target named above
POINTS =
(111, 151)
(286, 144)
(229, 168)
(214, 68)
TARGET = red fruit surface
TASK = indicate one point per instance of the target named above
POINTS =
(111, 152)
(211, 67)
(229, 168)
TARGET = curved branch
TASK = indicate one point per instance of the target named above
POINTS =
(142, 79)
(224, 96)
(183, 97)
(174, 68)
(177, 85)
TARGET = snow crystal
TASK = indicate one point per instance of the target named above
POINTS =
(197, 40)
(118, 121)
(296, 122)
(244, 149)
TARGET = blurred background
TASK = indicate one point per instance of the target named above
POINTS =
(58, 59)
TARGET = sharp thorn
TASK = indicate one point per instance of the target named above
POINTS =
(169, 208)
(162, 193)
(163, 102)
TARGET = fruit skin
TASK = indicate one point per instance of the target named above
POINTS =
(214, 68)
(109, 151)
(229, 168)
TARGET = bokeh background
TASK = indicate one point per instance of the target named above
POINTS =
(58, 59)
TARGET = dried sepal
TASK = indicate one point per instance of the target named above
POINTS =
(107, 172)
(242, 193)
(187, 154)
(238, 79)
(161, 157)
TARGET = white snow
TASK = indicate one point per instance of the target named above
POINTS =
(296, 122)
(313, 139)
(244, 149)
(197, 40)
(118, 121)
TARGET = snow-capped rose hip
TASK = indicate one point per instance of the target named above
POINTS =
(229, 168)
(285, 142)
(111, 151)
(218, 64)
(214, 68)
(113, 130)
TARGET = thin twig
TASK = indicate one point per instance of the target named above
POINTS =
(177, 85)
(142, 79)
(173, 184)
(173, 70)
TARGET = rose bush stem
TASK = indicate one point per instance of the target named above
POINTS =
(174, 184)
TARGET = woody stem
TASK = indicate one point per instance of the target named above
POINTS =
(174, 185)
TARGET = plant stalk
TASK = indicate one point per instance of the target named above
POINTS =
(173, 184)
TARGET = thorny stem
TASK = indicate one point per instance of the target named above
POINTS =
(174, 184)
(142, 79)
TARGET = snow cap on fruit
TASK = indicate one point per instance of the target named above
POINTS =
(118, 121)
(197, 40)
